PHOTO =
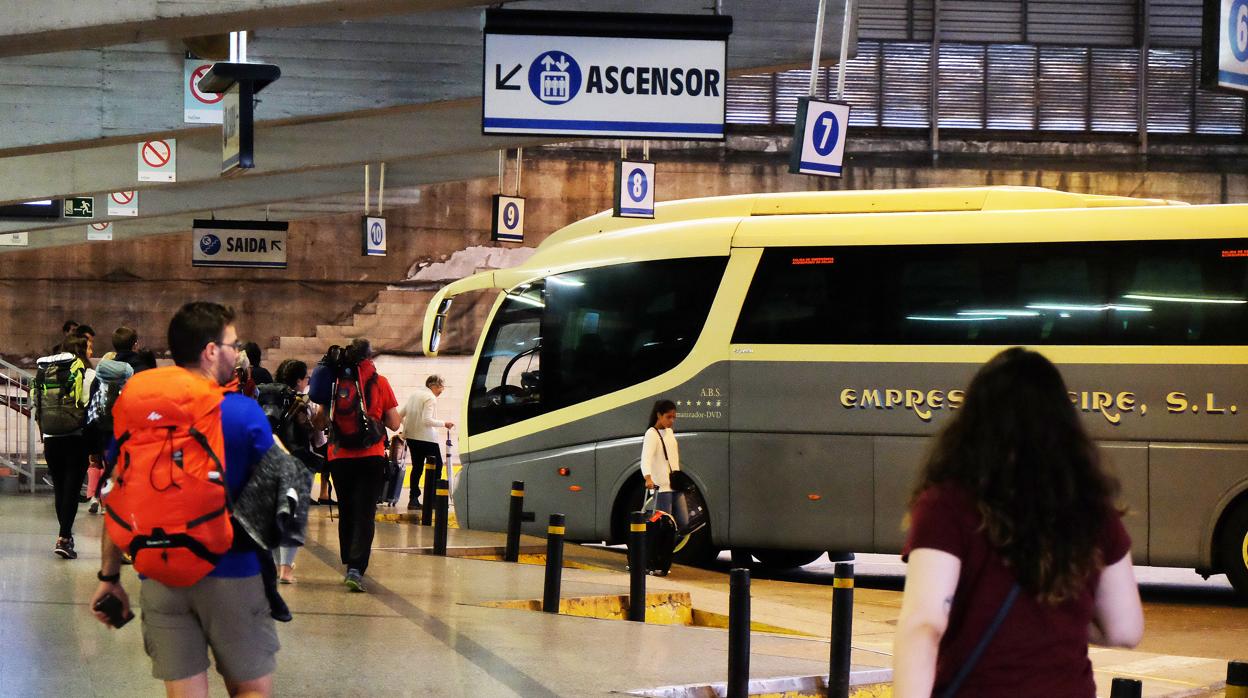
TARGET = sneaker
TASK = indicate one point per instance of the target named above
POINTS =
(95, 505)
(354, 581)
(65, 548)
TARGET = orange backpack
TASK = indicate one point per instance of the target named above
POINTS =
(170, 506)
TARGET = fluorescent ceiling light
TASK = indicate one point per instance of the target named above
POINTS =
(936, 318)
(1090, 308)
(1183, 299)
(1006, 313)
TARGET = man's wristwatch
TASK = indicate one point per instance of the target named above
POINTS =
(110, 578)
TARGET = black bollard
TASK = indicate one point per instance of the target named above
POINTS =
(514, 515)
(842, 629)
(554, 563)
(739, 634)
(431, 480)
(442, 504)
(1237, 680)
(637, 566)
(1126, 688)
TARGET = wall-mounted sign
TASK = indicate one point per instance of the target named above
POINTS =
(198, 107)
(100, 231)
(123, 203)
(508, 219)
(79, 207)
(605, 74)
(1224, 45)
(158, 161)
(14, 239)
(634, 189)
(819, 137)
(239, 244)
(374, 236)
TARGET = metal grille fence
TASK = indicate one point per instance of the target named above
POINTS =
(19, 438)
(1005, 87)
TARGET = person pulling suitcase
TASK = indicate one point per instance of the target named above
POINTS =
(660, 458)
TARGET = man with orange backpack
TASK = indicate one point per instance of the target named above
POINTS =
(361, 408)
(186, 449)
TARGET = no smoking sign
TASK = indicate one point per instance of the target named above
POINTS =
(198, 107)
(158, 161)
(123, 203)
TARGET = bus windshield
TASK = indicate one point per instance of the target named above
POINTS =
(575, 336)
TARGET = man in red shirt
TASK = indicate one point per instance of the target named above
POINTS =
(357, 453)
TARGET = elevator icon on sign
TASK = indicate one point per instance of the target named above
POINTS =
(554, 77)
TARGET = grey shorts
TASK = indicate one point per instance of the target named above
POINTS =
(230, 615)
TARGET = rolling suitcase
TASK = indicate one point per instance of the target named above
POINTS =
(660, 537)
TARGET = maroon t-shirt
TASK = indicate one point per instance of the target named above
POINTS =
(1039, 650)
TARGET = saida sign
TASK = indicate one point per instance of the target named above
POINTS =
(605, 74)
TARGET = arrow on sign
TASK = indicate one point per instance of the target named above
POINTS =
(504, 83)
(276, 245)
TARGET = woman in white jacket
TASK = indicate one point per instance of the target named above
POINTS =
(660, 457)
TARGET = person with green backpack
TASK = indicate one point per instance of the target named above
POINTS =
(60, 400)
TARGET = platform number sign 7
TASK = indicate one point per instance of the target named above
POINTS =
(819, 138)
(508, 219)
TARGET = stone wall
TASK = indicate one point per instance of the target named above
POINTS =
(142, 282)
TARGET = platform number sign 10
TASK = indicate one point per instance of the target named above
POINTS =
(634, 189)
(819, 138)
(508, 219)
(374, 236)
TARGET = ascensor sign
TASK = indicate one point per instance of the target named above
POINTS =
(259, 244)
(605, 74)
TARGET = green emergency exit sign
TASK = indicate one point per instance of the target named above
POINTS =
(79, 207)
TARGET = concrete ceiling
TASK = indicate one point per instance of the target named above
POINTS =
(403, 89)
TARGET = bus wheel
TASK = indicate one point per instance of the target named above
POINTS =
(786, 559)
(1233, 549)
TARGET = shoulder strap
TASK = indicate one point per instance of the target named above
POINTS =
(952, 689)
(666, 459)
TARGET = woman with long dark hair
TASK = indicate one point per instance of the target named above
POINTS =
(1017, 557)
(660, 457)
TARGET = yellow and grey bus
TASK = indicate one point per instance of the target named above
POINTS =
(814, 342)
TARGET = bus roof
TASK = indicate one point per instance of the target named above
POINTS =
(1002, 198)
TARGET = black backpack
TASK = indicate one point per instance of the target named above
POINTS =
(278, 402)
(100, 406)
(56, 388)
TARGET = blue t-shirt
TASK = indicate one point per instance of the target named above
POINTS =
(247, 438)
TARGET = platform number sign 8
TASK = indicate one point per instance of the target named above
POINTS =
(637, 185)
(1239, 29)
(634, 189)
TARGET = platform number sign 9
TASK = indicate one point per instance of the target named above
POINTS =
(819, 138)
(508, 219)
(634, 189)
(1224, 57)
